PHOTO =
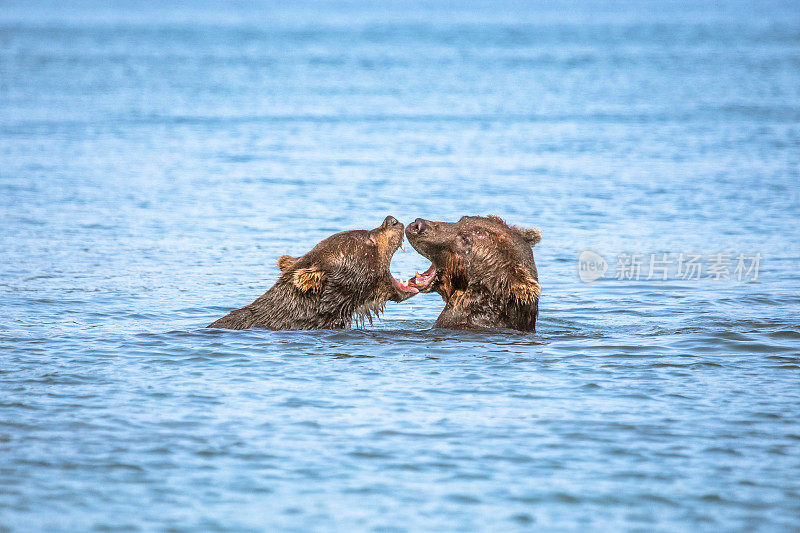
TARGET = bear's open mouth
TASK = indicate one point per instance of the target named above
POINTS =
(404, 286)
(420, 282)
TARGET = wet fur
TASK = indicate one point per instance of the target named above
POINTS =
(344, 280)
(490, 283)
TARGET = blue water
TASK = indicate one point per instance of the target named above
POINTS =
(156, 159)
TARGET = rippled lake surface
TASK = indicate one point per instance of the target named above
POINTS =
(156, 160)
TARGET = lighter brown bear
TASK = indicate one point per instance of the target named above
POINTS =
(345, 278)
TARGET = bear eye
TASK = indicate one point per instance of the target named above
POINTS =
(463, 242)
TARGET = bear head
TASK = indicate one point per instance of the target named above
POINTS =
(483, 269)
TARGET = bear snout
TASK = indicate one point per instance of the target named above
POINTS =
(390, 221)
(417, 227)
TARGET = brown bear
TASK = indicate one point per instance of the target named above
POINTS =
(483, 269)
(345, 277)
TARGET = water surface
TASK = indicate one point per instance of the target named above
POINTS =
(156, 160)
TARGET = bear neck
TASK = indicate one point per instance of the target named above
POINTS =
(479, 306)
(285, 307)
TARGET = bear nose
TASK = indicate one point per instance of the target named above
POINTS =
(417, 227)
(390, 221)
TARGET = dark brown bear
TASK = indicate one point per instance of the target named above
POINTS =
(345, 277)
(482, 268)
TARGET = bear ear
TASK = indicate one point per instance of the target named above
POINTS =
(285, 262)
(532, 236)
(308, 279)
(526, 289)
